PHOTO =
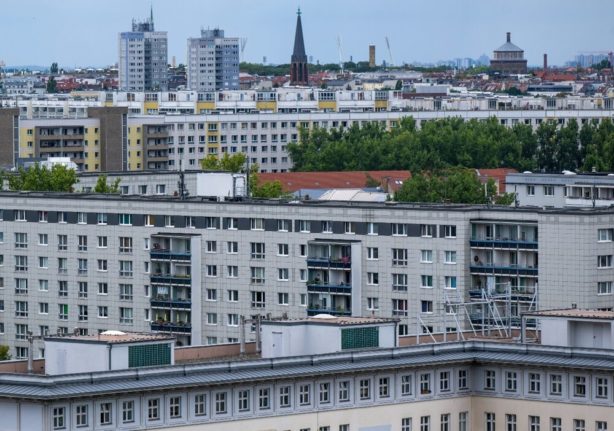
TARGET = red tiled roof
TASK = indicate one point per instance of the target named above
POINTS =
(293, 181)
(497, 174)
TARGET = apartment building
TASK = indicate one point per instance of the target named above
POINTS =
(471, 385)
(192, 267)
(143, 58)
(213, 62)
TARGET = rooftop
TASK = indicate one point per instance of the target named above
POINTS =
(574, 313)
(293, 181)
(111, 337)
(327, 319)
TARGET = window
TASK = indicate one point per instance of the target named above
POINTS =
(62, 242)
(105, 413)
(399, 257)
(243, 400)
(283, 298)
(511, 381)
(530, 190)
(232, 247)
(233, 296)
(510, 422)
(21, 309)
(534, 423)
(425, 423)
(426, 256)
(548, 190)
(284, 396)
(125, 292)
(257, 275)
(264, 399)
(444, 381)
(605, 235)
(406, 424)
(125, 244)
(373, 278)
(406, 385)
(174, 404)
(426, 306)
(59, 418)
(103, 288)
(399, 307)
(125, 268)
(233, 319)
(257, 250)
(399, 229)
(450, 282)
(125, 219)
(327, 227)
(604, 288)
(102, 265)
(364, 389)
(462, 421)
(283, 225)
(81, 415)
(601, 384)
(556, 384)
(200, 403)
(304, 395)
(63, 311)
(427, 230)
(232, 271)
(449, 231)
(399, 282)
(211, 270)
(372, 228)
(20, 215)
(153, 409)
(426, 281)
(343, 391)
(425, 383)
(102, 242)
(450, 257)
(82, 242)
(349, 227)
(304, 226)
(21, 240)
(126, 315)
(445, 422)
(43, 239)
(282, 249)
(83, 313)
(82, 266)
(256, 223)
(21, 331)
(211, 294)
(555, 424)
(534, 383)
(490, 421)
(600, 426)
(489, 380)
(43, 308)
(21, 286)
(258, 299)
(372, 253)
(127, 411)
(231, 223)
(384, 387)
(103, 311)
(604, 261)
(579, 386)
(21, 263)
(579, 425)
(43, 285)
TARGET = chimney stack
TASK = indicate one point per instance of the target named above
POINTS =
(509, 36)
(545, 62)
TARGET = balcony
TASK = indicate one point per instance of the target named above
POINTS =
(340, 289)
(171, 279)
(327, 262)
(171, 327)
(314, 309)
(166, 254)
(504, 270)
(503, 244)
(523, 294)
(166, 302)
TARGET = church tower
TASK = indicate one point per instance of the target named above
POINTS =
(298, 68)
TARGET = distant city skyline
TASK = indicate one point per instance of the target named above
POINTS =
(85, 33)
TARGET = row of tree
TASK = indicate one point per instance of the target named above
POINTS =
(453, 142)
(59, 178)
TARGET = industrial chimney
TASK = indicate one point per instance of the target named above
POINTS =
(509, 36)
(545, 62)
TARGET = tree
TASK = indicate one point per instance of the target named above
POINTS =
(103, 187)
(5, 354)
(52, 85)
(36, 178)
(54, 68)
(234, 163)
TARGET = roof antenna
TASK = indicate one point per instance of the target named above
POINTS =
(183, 193)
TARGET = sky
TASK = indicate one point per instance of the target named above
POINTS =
(84, 32)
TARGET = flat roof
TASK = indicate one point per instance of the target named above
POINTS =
(111, 337)
(327, 319)
(575, 313)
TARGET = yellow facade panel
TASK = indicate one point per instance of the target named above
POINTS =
(327, 104)
(266, 105)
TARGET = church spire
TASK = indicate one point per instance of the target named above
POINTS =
(298, 69)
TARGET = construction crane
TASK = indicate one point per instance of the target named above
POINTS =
(243, 43)
(340, 51)
(389, 51)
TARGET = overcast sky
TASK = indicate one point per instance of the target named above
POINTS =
(84, 32)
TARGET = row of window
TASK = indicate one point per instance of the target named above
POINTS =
(534, 423)
(125, 267)
(22, 311)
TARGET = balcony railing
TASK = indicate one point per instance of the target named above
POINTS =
(313, 286)
(171, 327)
(166, 254)
(503, 243)
(504, 270)
(313, 310)
(516, 294)
(327, 262)
(171, 279)
(165, 302)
